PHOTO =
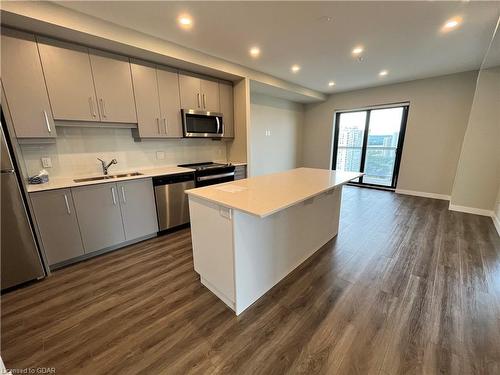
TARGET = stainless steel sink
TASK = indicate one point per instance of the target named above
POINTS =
(108, 177)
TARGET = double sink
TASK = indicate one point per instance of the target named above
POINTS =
(108, 177)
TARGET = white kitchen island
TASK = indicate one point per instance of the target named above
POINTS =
(249, 234)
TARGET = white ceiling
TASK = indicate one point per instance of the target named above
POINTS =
(402, 37)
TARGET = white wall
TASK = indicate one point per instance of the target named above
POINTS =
(76, 150)
(478, 174)
(438, 115)
(496, 213)
(280, 150)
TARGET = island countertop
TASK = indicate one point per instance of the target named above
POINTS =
(268, 194)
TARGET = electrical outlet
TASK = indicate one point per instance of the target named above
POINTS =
(46, 163)
(160, 155)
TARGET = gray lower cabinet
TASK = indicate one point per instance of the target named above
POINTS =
(57, 224)
(138, 208)
(99, 216)
(240, 172)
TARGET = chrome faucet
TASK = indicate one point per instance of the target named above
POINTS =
(106, 167)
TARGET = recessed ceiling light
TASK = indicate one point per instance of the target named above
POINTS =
(451, 24)
(254, 51)
(295, 68)
(383, 73)
(357, 50)
(185, 21)
(331, 83)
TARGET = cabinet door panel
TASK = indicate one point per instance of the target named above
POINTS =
(24, 85)
(189, 88)
(98, 211)
(170, 105)
(146, 99)
(69, 80)
(138, 208)
(113, 86)
(227, 108)
(56, 219)
(210, 95)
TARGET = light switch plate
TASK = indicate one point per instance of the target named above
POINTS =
(46, 163)
(160, 155)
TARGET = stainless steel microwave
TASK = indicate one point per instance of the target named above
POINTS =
(202, 124)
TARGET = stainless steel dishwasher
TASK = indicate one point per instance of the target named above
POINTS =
(171, 201)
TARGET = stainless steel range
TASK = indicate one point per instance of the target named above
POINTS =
(210, 173)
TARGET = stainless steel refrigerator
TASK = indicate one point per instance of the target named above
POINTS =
(20, 258)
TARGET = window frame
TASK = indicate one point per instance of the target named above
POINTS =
(364, 148)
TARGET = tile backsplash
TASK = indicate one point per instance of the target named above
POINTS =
(76, 151)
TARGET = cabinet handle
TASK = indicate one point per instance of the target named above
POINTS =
(47, 121)
(123, 195)
(204, 102)
(91, 105)
(165, 125)
(114, 196)
(103, 109)
(158, 125)
(198, 99)
(67, 204)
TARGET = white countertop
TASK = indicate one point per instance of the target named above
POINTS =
(68, 182)
(268, 194)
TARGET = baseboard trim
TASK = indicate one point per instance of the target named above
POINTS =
(496, 222)
(471, 210)
(423, 194)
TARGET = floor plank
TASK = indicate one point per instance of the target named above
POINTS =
(407, 287)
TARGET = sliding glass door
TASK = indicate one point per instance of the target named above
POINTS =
(370, 141)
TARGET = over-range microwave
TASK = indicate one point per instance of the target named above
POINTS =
(202, 124)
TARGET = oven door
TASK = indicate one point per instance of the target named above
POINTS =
(202, 124)
(212, 177)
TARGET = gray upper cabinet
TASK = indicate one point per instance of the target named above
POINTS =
(57, 223)
(189, 88)
(170, 105)
(99, 216)
(68, 76)
(227, 108)
(146, 99)
(113, 86)
(157, 100)
(24, 85)
(138, 208)
(210, 100)
(199, 93)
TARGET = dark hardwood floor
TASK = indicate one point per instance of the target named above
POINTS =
(407, 287)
